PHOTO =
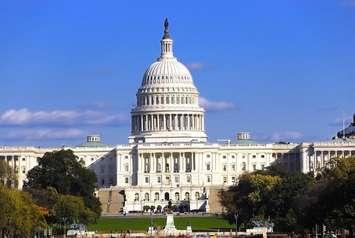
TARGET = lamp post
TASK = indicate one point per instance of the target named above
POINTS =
(236, 224)
(151, 223)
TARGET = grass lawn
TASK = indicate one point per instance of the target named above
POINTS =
(117, 224)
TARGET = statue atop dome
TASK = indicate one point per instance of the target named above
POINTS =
(166, 29)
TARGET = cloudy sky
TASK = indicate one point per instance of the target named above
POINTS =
(283, 70)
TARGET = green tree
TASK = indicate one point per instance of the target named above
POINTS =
(71, 209)
(250, 197)
(332, 201)
(284, 202)
(62, 171)
(19, 215)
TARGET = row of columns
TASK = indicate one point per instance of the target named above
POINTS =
(322, 157)
(161, 100)
(172, 162)
(168, 122)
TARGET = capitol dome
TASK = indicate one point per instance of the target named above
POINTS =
(166, 71)
(167, 108)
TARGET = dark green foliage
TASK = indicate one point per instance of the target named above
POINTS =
(60, 173)
(295, 202)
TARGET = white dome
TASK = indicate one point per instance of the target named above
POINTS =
(166, 71)
(167, 108)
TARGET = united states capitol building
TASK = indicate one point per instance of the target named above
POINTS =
(168, 158)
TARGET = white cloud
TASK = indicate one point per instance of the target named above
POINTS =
(196, 66)
(215, 105)
(286, 136)
(25, 116)
(44, 134)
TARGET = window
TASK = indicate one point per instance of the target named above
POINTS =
(126, 180)
(224, 157)
(233, 179)
(197, 195)
(177, 179)
(188, 178)
(136, 197)
(262, 156)
(233, 167)
(167, 168)
(208, 166)
(254, 156)
(159, 179)
(224, 167)
(224, 179)
(146, 179)
(244, 166)
(126, 168)
(146, 197)
(208, 156)
(23, 159)
(177, 196)
(254, 167)
(263, 167)
(187, 196)
(208, 178)
(23, 169)
(156, 197)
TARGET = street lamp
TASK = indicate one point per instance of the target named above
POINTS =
(236, 224)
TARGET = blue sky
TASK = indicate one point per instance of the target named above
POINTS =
(283, 70)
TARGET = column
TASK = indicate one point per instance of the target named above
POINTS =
(141, 117)
(152, 161)
(188, 121)
(145, 123)
(193, 122)
(170, 122)
(171, 164)
(154, 117)
(197, 122)
(150, 124)
(158, 122)
(182, 162)
(175, 122)
(181, 122)
(164, 122)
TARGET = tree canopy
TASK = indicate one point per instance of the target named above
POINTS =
(60, 181)
(296, 201)
(19, 215)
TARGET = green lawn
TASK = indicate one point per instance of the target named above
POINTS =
(118, 224)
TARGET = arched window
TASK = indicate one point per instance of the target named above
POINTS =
(166, 196)
(146, 196)
(136, 197)
(187, 196)
(177, 196)
(156, 197)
